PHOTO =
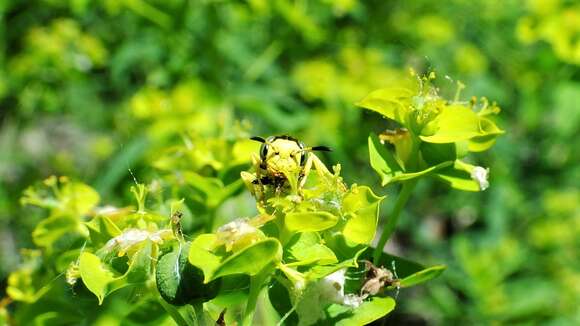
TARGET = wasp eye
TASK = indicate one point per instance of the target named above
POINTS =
(264, 151)
(303, 159)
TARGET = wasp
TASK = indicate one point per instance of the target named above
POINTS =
(283, 161)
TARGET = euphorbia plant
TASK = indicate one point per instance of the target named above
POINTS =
(432, 138)
(304, 253)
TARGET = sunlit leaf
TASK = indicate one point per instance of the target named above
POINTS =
(320, 271)
(50, 230)
(490, 132)
(24, 285)
(363, 206)
(95, 276)
(101, 229)
(454, 123)
(392, 103)
(310, 221)
(382, 161)
(306, 248)
(201, 254)
(366, 313)
(79, 198)
(457, 179)
(251, 259)
(101, 280)
(422, 276)
(385, 164)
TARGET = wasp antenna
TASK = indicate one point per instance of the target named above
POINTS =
(321, 148)
(258, 139)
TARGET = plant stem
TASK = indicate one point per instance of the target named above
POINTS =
(198, 311)
(389, 227)
(211, 215)
(256, 283)
(174, 313)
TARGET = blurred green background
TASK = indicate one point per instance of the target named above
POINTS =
(93, 89)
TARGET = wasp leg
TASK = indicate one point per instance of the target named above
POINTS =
(254, 181)
(305, 172)
(321, 169)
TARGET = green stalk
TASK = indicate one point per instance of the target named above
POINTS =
(256, 284)
(174, 313)
(389, 227)
(198, 312)
(211, 215)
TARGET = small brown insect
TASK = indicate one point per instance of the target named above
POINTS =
(221, 319)
(176, 225)
(376, 279)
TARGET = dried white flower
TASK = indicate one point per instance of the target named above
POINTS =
(131, 237)
(352, 300)
(237, 231)
(331, 289)
(481, 175)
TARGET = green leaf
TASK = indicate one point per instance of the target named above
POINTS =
(385, 164)
(487, 139)
(454, 123)
(481, 143)
(232, 295)
(280, 295)
(392, 103)
(251, 260)
(95, 276)
(101, 281)
(342, 248)
(366, 313)
(178, 281)
(306, 248)
(201, 255)
(25, 285)
(382, 161)
(363, 207)
(457, 179)
(310, 221)
(50, 230)
(434, 154)
(140, 266)
(101, 229)
(319, 271)
(422, 276)
(78, 198)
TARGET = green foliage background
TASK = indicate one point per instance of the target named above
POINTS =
(93, 89)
